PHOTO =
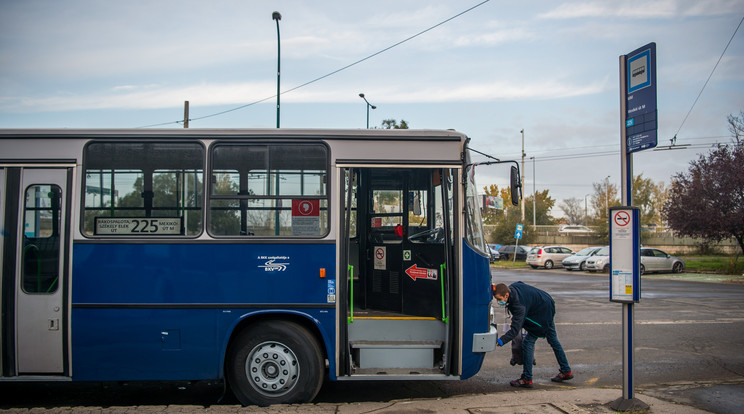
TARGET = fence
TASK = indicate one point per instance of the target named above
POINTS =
(653, 237)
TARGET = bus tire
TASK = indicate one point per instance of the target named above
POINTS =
(277, 362)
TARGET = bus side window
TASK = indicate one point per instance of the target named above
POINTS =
(142, 182)
(42, 218)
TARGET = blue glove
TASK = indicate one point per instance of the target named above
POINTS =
(500, 342)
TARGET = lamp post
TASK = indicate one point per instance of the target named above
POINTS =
(523, 154)
(369, 105)
(607, 197)
(534, 196)
(276, 16)
(586, 211)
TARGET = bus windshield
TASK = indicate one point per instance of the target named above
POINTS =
(474, 226)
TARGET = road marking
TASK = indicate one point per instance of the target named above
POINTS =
(693, 322)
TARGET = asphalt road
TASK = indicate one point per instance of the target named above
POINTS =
(689, 338)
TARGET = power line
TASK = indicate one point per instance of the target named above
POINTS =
(709, 76)
(331, 73)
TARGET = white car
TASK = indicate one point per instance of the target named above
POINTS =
(574, 228)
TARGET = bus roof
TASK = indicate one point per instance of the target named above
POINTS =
(206, 133)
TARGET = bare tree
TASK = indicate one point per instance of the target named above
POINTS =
(573, 209)
(736, 127)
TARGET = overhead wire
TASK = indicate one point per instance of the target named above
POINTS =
(328, 74)
(709, 76)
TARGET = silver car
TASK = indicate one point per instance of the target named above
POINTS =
(548, 256)
(652, 260)
(600, 261)
(655, 260)
(578, 260)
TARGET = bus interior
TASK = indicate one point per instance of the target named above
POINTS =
(400, 258)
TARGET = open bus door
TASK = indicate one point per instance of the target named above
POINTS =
(35, 252)
(399, 251)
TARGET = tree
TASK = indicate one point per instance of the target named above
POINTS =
(543, 204)
(505, 221)
(393, 124)
(605, 196)
(708, 201)
(574, 210)
(736, 127)
(647, 196)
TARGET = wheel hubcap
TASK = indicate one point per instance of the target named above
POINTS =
(273, 369)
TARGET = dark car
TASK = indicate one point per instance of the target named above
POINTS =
(507, 252)
(493, 249)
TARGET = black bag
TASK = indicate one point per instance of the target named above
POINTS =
(516, 345)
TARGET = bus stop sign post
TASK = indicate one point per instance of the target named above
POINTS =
(517, 235)
(638, 126)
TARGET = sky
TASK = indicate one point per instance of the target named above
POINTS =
(489, 69)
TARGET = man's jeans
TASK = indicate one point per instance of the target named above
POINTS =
(528, 352)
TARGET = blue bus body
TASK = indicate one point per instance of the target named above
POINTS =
(270, 259)
(177, 304)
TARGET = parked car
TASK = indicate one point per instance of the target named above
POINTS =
(572, 228)
(600, 261)
(652, 260)
(655, 260)
(494, 252)
(507, 252)
(578, 260)
(548, 256)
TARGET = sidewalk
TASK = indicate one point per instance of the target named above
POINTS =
(567, 401)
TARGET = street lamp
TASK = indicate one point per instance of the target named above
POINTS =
(369, 105)
(607, 198)
(586, 211)
(534, 195)
(276, 16)
(523, 155)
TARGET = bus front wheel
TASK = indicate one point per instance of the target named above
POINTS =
(277, 362)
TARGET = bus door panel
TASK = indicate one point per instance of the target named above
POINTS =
(422, 280)
(43, 225)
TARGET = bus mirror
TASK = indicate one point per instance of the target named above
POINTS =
(515, 186)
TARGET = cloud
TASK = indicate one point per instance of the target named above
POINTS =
(604, 9)
(646, 10)
(152, 96)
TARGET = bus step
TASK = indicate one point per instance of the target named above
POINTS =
(395, 354)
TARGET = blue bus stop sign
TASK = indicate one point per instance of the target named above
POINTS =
(640, 97)
(518, 232)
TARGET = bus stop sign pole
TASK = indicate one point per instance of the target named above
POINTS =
(638, 131)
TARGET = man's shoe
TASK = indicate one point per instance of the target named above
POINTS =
(521, 382)
(562, 376)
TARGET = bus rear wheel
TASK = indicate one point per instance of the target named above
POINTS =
(276, 362)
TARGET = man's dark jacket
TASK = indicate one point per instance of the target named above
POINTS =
(531, 309)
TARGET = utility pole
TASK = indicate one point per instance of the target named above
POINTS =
(523, 154)
(534, 196)
(185, 114)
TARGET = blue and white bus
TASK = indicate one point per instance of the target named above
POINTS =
(271, 259)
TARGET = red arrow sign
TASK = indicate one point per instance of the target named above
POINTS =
(416, 272)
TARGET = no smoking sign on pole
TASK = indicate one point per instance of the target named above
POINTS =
(625, 269)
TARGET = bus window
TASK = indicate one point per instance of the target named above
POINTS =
(269, 190)
(41, 239)
(474, 225)
(144, 189)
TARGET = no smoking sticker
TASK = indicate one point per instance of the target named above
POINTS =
(380, 258)
(622, 218)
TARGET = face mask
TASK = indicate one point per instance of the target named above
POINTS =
(501, 303)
